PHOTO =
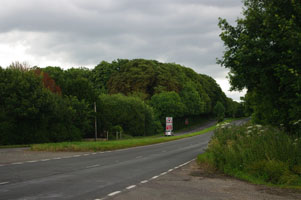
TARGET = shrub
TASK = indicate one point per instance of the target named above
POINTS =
(264, 153)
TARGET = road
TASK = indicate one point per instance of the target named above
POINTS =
(95, 175)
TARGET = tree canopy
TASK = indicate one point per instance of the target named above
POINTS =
(263, 55)
(52, 104)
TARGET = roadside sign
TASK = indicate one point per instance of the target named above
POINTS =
(169, 125)
(168, 119)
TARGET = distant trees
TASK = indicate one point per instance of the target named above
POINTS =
(263, 55)
(51, 104)
(167, 104)
(130, 113)
(219, 111)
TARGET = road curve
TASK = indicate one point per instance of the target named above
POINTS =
(95, 175)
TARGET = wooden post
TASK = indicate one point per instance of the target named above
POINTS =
(95, 121)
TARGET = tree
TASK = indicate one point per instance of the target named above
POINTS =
(130, 113)
(31, 113)
(168, 104)
(192, 100)
(219, 111)
(263, 55)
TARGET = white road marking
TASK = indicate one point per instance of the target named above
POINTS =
(163, 173)
(130, 187)
(2, 183)
(86, 154)
(113, 193)
(58, 158)
(99, 199)
(93, 153)
(92, 166)
(170, 170)
(17, 163)
(139, 156)
(154, 177)
(44, 160)
(76, 156)
(32, 161)
(145, 181)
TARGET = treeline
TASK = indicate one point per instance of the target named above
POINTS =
(133, 96)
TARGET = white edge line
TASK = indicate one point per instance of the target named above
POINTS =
(154, 177)
(130, 187)
(163, 173)
(113, 193)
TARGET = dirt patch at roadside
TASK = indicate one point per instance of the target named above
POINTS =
(191, 182)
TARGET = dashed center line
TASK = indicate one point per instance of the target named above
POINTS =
(17, 163)
(44, 160)
(145, 181)
(113, 193)
(3, 183)
(32, 161)
(130, 187)
(92, 166)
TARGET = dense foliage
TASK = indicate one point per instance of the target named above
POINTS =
(263, 55)
(132, 96)
(31, 113)
(257, 153)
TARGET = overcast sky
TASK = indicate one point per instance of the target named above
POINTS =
(75, 33)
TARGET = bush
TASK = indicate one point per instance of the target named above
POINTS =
(264, 153)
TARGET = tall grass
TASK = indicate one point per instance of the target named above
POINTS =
(256, 153)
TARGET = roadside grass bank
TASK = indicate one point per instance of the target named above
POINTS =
(114, 144)
(255, 153)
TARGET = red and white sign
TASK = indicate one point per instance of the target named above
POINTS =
(169, 126)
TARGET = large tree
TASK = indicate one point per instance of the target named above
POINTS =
(263, 55)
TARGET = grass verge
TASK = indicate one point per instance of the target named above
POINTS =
(111, 145)
(260, 155)
(114, 144)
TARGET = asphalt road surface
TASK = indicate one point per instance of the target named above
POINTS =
(95, 175)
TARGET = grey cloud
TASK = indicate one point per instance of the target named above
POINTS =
(86, 32)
